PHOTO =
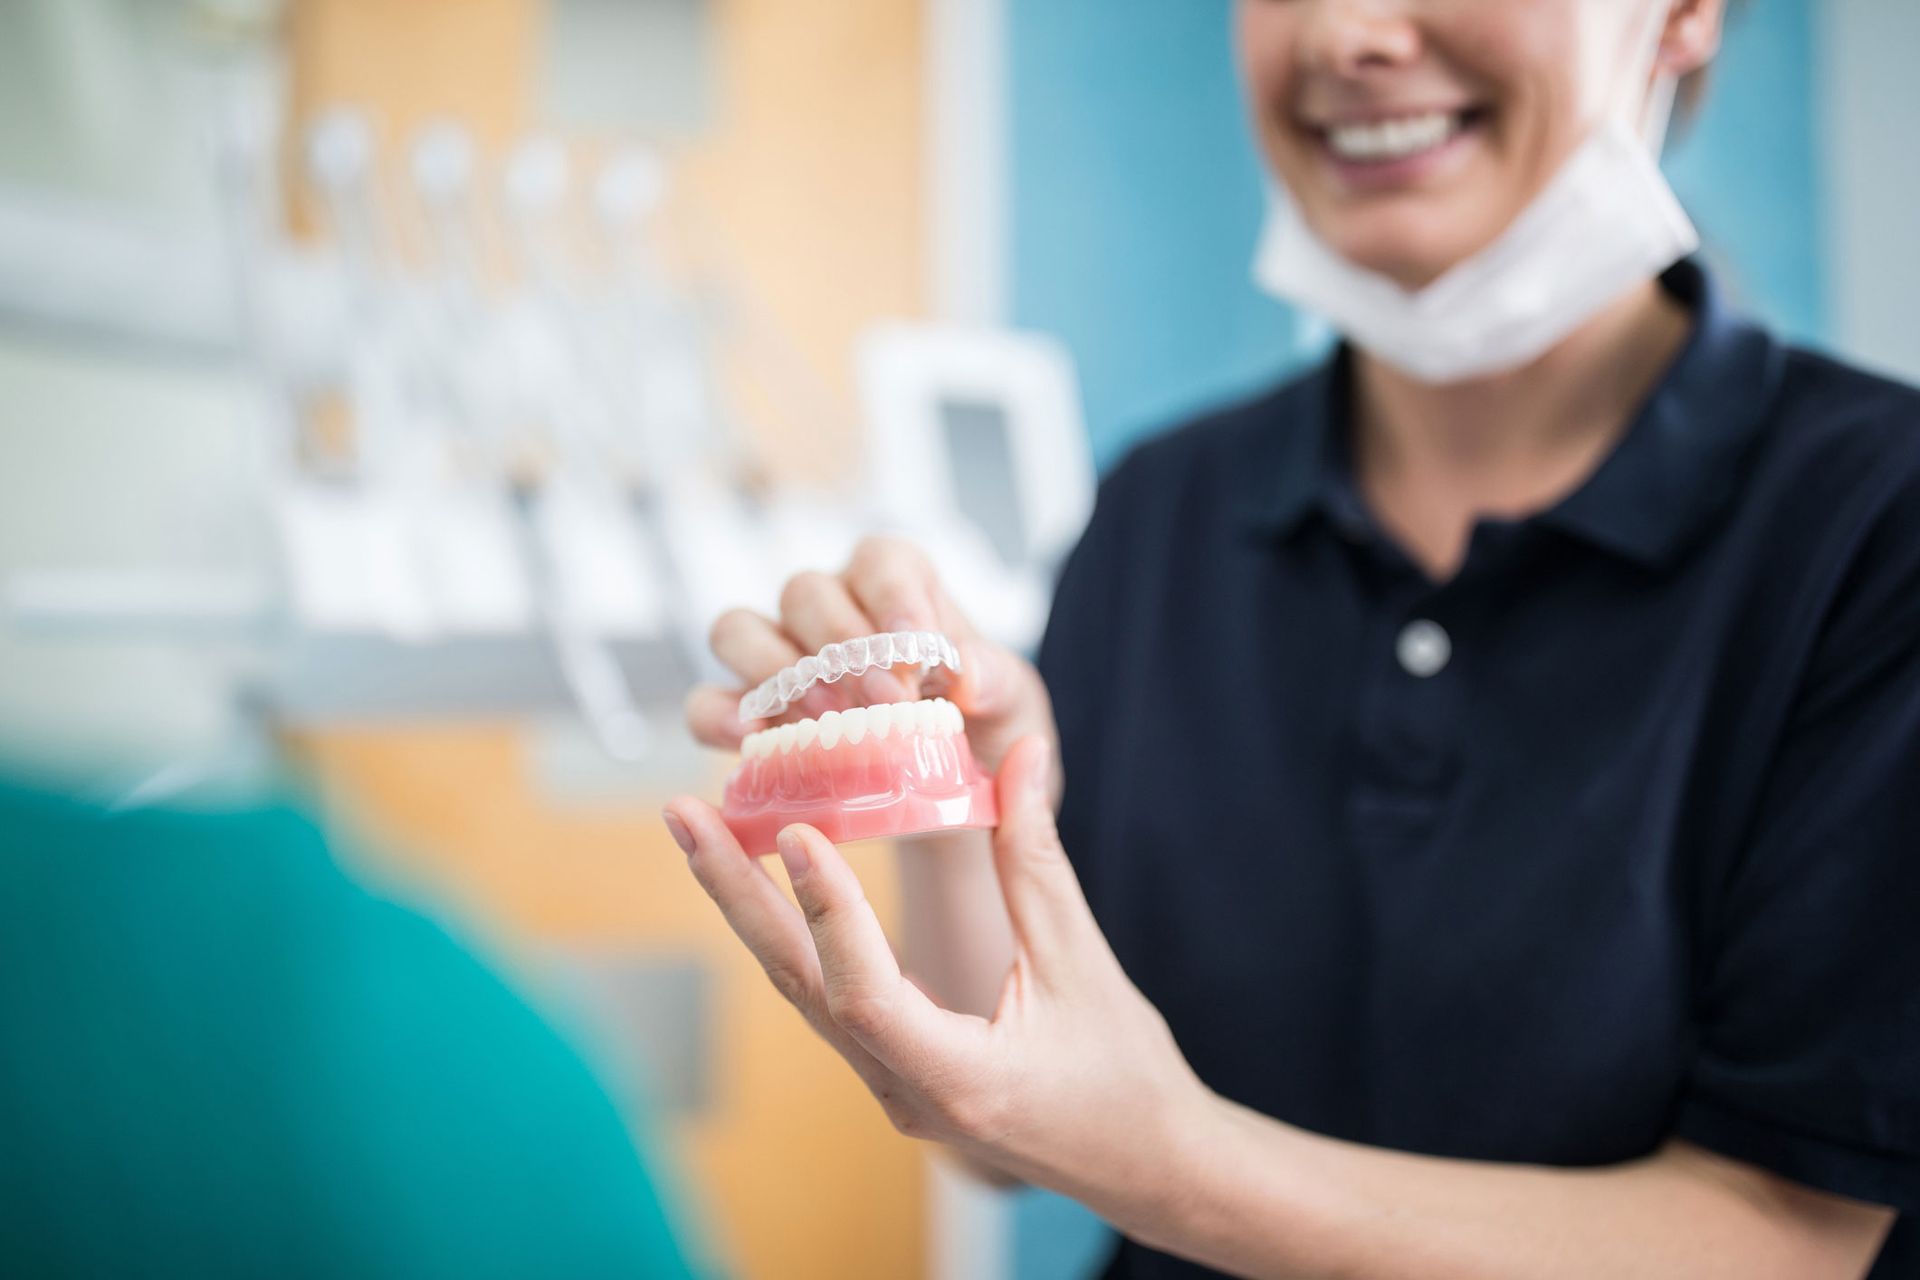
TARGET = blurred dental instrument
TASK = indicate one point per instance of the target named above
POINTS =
(516, 416)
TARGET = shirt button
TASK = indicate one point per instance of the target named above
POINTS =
(1423, 648)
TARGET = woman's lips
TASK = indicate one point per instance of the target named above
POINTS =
(1384, 154)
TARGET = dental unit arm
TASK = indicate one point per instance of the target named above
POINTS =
(891, 769)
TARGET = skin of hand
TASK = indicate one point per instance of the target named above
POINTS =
(1075, 1083)
(959, 942)
(1074, 1071)
(888, 585)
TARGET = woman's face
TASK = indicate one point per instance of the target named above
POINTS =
(1409, 133)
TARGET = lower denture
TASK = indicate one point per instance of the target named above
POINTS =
(920, 775)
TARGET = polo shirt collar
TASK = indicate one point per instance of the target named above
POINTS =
(1671, 472)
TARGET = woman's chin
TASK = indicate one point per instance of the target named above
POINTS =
(1407, 262)
(1413, 244)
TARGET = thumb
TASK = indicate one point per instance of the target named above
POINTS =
(984, 688)
(1002, 699)
(1050, 916)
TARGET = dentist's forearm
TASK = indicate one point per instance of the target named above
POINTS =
(1255, 1197)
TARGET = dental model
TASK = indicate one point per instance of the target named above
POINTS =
(894, 769)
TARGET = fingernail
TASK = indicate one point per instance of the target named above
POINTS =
(793, 853)
(678, 830)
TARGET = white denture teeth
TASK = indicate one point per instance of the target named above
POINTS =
(927, 649)
(929, 718)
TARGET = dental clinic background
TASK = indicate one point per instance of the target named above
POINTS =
(391, 394)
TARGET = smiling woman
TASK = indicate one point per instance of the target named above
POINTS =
(1522, 885)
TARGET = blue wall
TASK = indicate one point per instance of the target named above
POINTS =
(1137, 198)
(1748, 173)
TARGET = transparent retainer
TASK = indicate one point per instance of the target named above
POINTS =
(925, 649)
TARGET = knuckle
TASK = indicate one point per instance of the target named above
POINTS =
(970, 1112)
(902, 1112)
(704, 709)
(870, 548)
(861, 1012)
(729, 624)
(882, 554)
(789, 982)
(825, 908)
(1034, 844)
(892, 591)
(910, 1122)
(693, 709)
(801, 589)
(818, 912)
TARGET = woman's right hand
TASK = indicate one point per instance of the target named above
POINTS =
(889, 585)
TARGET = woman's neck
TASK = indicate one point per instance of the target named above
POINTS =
(1432, 460)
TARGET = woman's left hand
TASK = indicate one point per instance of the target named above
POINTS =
(1075, 1082)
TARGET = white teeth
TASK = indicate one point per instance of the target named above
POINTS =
(1393, 139)
(930, 717)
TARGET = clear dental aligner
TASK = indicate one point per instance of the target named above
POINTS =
(928, 649)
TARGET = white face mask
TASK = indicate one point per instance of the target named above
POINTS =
(1607, 222)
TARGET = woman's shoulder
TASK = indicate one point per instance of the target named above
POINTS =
(1831, 510)
(1223, 457)
(1831, 413)
(1839, 455)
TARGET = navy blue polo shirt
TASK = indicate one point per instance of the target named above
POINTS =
(1614, 836)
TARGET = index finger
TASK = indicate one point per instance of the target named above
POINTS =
(895, 583)
(866, 993)
(751, 645)
(713, 716)
(772, 929)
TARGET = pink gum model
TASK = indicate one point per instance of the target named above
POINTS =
(890, 770)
